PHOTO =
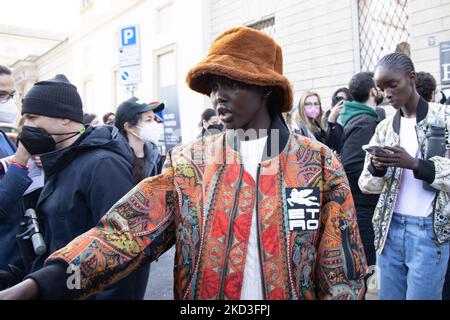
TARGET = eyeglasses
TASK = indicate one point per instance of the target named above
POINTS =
(5, 96)
(310, 104)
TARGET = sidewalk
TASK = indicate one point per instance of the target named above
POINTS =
(372, 291)
(160, 284)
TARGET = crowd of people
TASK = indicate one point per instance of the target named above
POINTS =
(270, 202)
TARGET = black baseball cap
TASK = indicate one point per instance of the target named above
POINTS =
(128, 109)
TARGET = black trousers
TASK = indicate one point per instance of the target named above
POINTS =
(364, 217)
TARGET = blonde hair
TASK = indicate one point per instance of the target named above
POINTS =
(300, 116)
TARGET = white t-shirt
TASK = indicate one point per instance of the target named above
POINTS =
(412, 198)
(251, 154)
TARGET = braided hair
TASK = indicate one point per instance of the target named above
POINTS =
(397, 61)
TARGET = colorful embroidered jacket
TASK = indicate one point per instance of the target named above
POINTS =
(435, 171)
(203, 201)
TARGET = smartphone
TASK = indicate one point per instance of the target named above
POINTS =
(338, 98)
(376, 150)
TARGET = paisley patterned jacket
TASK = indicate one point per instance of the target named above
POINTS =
(435, 171)
(203, 203)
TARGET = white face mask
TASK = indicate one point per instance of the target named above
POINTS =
(8, 111)
(149, 132)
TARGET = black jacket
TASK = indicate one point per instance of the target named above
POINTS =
(331, 136)
(357, 132)
(82, 182)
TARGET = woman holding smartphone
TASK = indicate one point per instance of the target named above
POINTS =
(412, 217)
(337, 102)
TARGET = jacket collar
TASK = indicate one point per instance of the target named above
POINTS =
(278, 131)
(422, 111)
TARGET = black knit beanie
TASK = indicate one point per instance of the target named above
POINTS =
(54, 98)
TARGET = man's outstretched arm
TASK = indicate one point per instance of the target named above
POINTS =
(135, 231)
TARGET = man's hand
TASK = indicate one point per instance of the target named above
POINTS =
(335, 112)
(26, 290)
(398, 157)
(22, 155)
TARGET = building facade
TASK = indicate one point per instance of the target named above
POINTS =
(18, 43)
(324, 43)
(172, 39)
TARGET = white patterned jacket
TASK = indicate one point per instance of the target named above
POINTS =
(435, 171)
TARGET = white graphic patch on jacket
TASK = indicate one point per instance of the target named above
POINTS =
(303, 208)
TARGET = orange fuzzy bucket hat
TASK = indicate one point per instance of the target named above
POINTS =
(246, 55)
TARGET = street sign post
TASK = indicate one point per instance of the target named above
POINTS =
(129, 46)
(130, 75)
(129, 57)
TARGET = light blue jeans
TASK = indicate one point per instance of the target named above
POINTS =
(412, 266)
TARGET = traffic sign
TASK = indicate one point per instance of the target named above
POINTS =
(130, 75)
(129, 55)
(129, 46)
(128, 36)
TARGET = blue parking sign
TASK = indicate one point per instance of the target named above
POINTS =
(128, 36)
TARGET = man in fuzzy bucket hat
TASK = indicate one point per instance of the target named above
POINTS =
(255, 212)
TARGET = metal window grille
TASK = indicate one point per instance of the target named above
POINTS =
(265, 25)
(86, 3)
(382, 30)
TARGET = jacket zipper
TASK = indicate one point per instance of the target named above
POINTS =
(259, 233)
(230, 236)
(347, 251)
(202, 243)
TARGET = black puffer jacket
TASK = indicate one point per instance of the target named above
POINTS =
(82, 183)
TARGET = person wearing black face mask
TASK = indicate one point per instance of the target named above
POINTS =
(210, 123)
(77, 161)
(38, 141)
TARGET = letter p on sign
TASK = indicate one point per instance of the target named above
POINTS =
(129, 36)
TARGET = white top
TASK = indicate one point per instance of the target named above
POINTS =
(412, 199)
(251, 154)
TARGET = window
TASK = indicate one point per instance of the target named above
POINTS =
(265, 25)
(166, 69)
(383, 29)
